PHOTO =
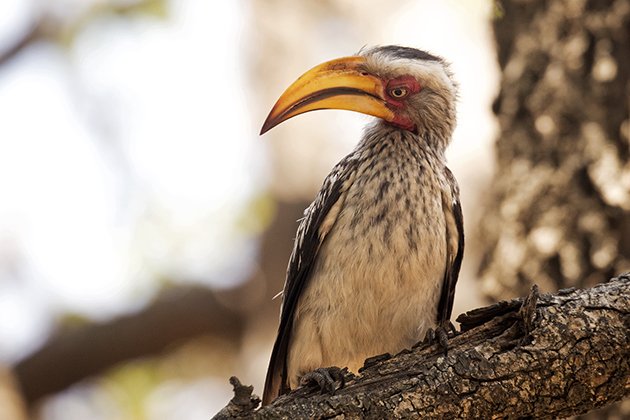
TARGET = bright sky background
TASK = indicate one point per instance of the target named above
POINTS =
(132, 155)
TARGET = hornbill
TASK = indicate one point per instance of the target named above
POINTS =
(377, 254)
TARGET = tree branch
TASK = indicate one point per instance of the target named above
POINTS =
(544, 356)
(178, 314)
(74, 354)
(27, 37)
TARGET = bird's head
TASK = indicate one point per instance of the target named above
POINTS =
(407, 88)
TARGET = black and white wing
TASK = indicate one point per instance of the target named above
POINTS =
(454, 249)
(319, 218)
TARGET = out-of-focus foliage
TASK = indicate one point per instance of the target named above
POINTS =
(257, 216)
(67, 31)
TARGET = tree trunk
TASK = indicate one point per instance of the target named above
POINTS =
(561, 195)
(541, 357)
(559, 206)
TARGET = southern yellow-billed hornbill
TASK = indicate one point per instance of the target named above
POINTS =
(377, 255)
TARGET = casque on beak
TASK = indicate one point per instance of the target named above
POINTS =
(336, 84)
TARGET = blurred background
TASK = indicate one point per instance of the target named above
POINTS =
(145, 226)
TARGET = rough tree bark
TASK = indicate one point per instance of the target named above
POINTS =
(559, 209)
(540, 357)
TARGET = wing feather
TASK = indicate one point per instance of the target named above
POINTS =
(455, 249)
(319, 219)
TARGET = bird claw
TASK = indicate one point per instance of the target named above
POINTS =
(325, 379)
(439, 335)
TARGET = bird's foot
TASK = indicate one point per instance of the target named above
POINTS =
(440, 335)
(328, 379)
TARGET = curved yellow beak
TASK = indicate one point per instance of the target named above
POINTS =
(336, 84)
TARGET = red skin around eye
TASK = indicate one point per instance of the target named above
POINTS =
(408, 82)
(411, 84)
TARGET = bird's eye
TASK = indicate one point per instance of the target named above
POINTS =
(398, 92)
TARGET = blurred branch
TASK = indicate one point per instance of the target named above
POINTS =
(549, 356)
(47, 27)
(73, 355)
(28, 37)
(178, 315)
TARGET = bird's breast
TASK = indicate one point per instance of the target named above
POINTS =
(377, 278)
